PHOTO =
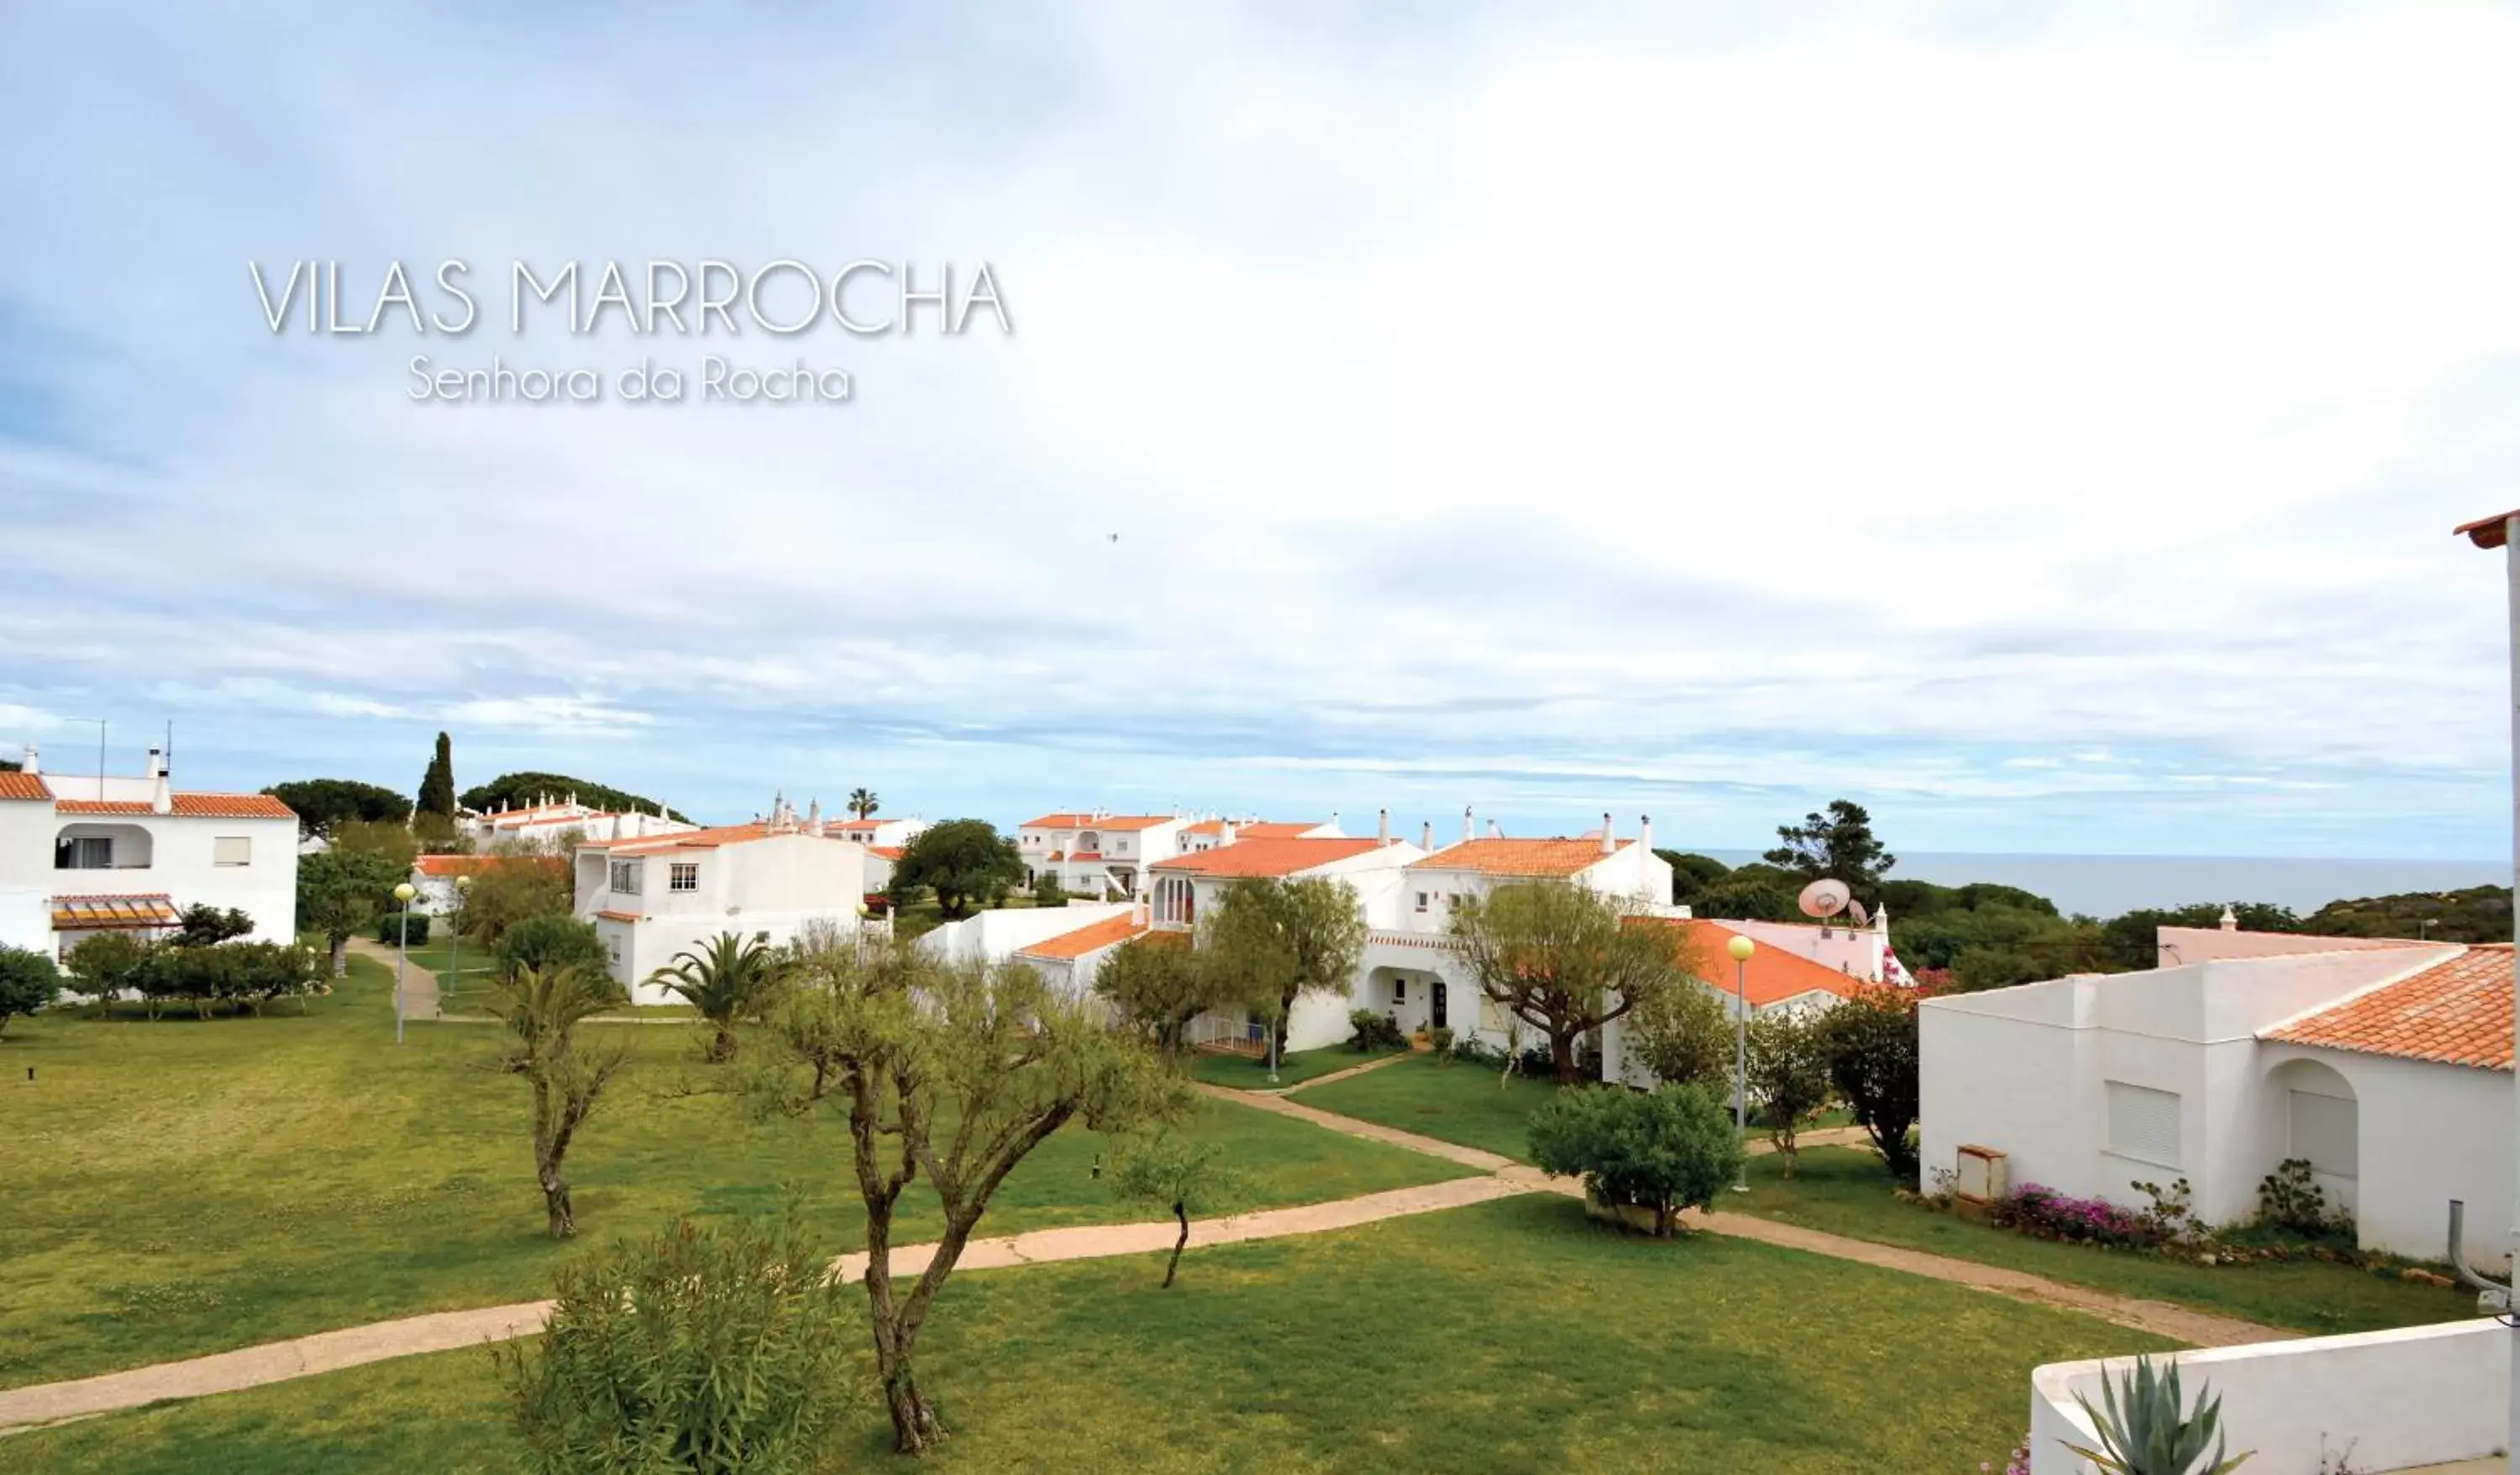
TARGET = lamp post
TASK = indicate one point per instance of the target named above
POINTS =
(454, 932)
(403, 894)
(2503, 532)
(1741, 948)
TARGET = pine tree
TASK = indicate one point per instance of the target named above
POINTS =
(437, 786)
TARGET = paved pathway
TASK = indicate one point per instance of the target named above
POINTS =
(419, 985)
(1500, 1177)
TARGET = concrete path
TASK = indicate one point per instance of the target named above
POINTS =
(1377, 1063)
(419, 987)
(23, 1408)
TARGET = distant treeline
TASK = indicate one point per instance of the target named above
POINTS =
(1985, 935)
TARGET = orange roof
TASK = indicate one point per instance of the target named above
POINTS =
(695, 839)
(189, 806)
(1774, 977)
(459, 865)
(1098, 822)
(1550, 858)
(17, 785)
(1107, 933)
(1253, 858)
(2456, 1014)
(1275, 830)
(95, 914)
(888, 852)
(619, 916)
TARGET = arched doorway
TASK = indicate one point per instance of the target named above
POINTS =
(2320, 1123)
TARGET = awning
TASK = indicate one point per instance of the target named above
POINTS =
(105, 913)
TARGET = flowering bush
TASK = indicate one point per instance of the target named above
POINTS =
(2047, 1213)
(2015, 1463)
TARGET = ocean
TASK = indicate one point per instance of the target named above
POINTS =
(2105, 885)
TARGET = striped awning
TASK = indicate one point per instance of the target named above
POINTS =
(103, 914)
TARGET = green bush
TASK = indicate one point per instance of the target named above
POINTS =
(1665, 1150)
(1441, 1037)
(1049, 891)
(390, 929)
(702, 1350)
(549, 943)
(28, 981)
(1374, 1031)
(107, 962)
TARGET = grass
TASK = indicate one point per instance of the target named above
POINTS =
(1460, 1102)
(1509, 1336)
(1244, 1073)
(1845, 1192)
(189, 1186)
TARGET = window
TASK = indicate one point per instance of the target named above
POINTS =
(2143, 1124)
(685, 877)
(1400, 991)
(83, 853)
(1421, 901)
(613, 948)
(1493, 1016)
(2322, 1130)
(232, 850)
(625, 877)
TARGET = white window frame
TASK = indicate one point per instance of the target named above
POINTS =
(625, 878)
(219, 850)
(682, 875)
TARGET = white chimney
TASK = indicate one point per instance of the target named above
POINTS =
(1427, 838)
(34, 763)
(1224, 833)
(157, 762)
(161, 800)
(1334, 825)
(1609, 842)
(1644, 833)
(1496, 832)
(1470, 829)
(1382, 831)
(2230, 923)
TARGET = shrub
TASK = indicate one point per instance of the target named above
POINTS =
(1683, 1036)
(704, 1349)
(2290, 1199)
(28, 981)
(107, 962)
(1666, 1150)
(1374, 1031)
(2047, 1213)
(1473, 1051)
(390, 929)
(1872, 1061)
(549, 943)
(1048, 891)
(1441, 1037)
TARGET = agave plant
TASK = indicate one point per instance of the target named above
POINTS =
(730, 978)
(2144, 1430)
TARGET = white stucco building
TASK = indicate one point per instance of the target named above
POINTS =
(550, 821)
(84, 854)
(1096, 853)
(651, 897)
(1215, 831)
(2388, 1068)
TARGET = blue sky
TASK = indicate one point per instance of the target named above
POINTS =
(2044, 425)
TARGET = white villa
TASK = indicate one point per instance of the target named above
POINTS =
(128, 854)
(654, 896)
(549, 820)
(2386, 1066)
(1212, 831)
(1066, 945)
(1096, 853)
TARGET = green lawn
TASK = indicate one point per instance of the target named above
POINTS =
(1845, 1192)
(1464, 1103)
(1243, 1073)
(189, 1186)
(1510, 1336)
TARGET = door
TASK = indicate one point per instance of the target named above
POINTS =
(1435, 1005)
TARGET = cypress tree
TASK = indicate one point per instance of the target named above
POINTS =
(437, 786)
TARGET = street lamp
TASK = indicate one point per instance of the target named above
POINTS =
(1741, 948)
(402, 952)
(455, 931)
(2503, 532)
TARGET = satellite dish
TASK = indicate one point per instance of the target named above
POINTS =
(1855, 913)
(1825, 898)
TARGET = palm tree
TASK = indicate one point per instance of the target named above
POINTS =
(733, 978)
(862, 802)
(543, 1010)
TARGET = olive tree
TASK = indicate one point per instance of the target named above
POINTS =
(1664, 1150)
(1276, 940)
(28, 981)
(1182, 1178)
(543, 1010)
(1789, 1076)
(1157, 984)
(1872, 1061)
(340, 894)
(955, 1073)
(1565, 960)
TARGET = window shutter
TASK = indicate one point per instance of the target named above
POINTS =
(2324, 1132)
(232, 850)
(2143, 1124)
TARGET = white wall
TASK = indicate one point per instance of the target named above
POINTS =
(26, 918)
(2418, 1396)
(994, 936)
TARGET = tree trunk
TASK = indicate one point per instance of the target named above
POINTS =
(340, 955)
(915, 1429)
(1180, 1211)
(1561, 1060)
(564, 1219)
(722, 1049)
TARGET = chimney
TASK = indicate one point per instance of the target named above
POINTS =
(1496, 832)
(157, 762)
(1334, 825)
(2230, 923)
(1427, 838)
(1609, 842)
(1382, 831)
(34, 763)
(161, 800)
(1644, 833)
(1224, 833)
(1470, 829)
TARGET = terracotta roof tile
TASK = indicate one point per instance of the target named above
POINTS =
(1775, 974)
(1547, 859)
(17, 785)
(619, 916)
(695, 839)
(1106, 933)
(2457, 1012)
(96, 914)
(187, 805)
(1259, 858)
(1098, 822)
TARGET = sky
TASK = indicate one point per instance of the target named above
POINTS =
(2041, 424)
